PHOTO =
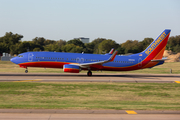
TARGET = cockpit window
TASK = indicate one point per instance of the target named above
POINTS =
(20, 55)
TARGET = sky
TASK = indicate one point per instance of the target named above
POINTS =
(119, 20)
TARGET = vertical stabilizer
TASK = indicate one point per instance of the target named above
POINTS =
(156, 49)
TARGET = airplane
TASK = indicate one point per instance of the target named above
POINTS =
(75, 62)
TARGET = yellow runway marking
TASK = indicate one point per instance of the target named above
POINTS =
(177, 81)
(28, 80)
(131, 112)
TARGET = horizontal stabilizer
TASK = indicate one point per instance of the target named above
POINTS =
(159, 60)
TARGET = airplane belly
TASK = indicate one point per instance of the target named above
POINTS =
(44, 64)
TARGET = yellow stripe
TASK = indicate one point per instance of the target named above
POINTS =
(131, 112)
(28, 80)
(177, 81)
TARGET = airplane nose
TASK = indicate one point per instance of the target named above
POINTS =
(13, 60)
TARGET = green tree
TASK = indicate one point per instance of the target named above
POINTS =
(77, 49)
(20, 47)
(145, 43)
(106, 45)
(47, 42)
(98, 41)
(36, 49)
(76, 42)
(52, 47)
(10, 39)
(89, 48)
(3, 47)
(121, 50)
(68, 47)
(61, 43)
(95, 43)
(173, 42)
(176, 49)
(39, 41)
(131, 46)
(14, 49)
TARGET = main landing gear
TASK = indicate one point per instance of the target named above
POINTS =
(26, 71)
(89, 73)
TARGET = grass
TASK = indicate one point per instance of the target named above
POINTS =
(9, 67)
(119, 96)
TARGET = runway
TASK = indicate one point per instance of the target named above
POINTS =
(14, 116)
(29, 114)
(82, 77)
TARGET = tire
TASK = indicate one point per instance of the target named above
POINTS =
(26, 71)
(89, 73)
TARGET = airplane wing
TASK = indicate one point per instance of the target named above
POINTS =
(85, 65)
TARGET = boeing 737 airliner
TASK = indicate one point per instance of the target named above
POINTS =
(75, 62)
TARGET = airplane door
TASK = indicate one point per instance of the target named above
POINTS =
(30, 57)
(140, 62)
(79, 60)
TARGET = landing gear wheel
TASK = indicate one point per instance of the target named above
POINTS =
(26, 71)
(89, 73)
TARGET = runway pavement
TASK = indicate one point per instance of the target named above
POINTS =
(37, 114)
(66, 111)
(19, 116)
(97, 77)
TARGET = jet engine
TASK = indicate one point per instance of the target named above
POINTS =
(71, 68)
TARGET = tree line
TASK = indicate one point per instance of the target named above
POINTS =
(12, 43)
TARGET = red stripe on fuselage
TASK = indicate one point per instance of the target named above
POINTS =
(44, 64)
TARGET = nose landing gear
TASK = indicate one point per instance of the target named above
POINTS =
(26, 71)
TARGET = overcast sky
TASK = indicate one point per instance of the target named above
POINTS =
(119, 20)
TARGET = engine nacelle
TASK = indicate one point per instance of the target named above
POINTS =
(71, 68)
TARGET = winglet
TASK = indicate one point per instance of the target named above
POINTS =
(113, 56)
(112, 50)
